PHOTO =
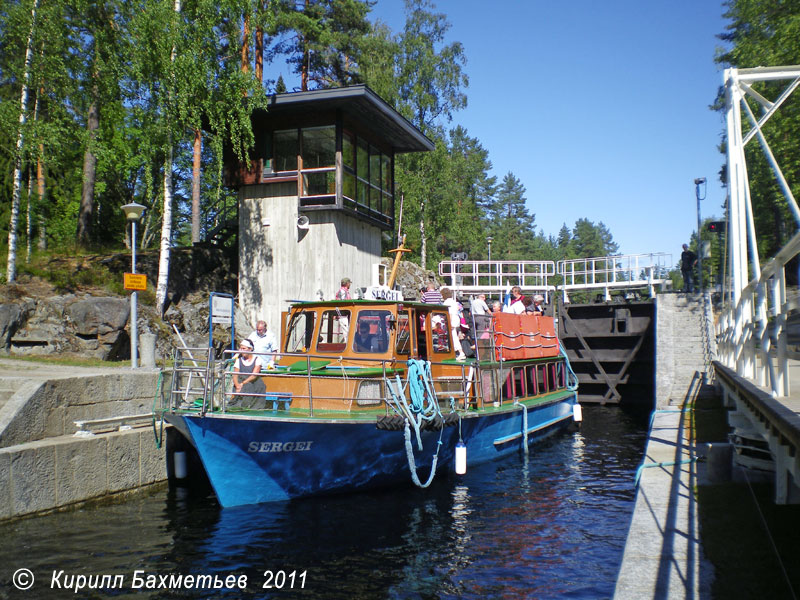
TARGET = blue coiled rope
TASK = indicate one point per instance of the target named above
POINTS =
(423, 406)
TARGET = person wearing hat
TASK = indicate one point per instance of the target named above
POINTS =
(247, 382)
(344, 291)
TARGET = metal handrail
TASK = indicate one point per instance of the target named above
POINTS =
(480, 275)
(615, 272)
(623, 271)
(743, 330)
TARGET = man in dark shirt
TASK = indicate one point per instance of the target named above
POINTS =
(688, 261)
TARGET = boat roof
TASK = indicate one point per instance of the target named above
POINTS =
(364, 302)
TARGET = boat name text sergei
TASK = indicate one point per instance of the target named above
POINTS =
(279, 446)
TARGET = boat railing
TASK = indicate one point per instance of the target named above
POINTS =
(193, 377)
(321, 384)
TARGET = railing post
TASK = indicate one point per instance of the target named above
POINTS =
(779, 299)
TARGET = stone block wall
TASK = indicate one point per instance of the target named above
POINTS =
(45, 409)
(47, 474)
(680, 355)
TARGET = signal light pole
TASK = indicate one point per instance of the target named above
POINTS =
(697, 183)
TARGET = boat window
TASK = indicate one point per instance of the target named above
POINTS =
(440, 336)
(333, 328)
(403, 343)
(300, 332)
(372, 331)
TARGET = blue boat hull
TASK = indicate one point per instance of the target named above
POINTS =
(254, 459)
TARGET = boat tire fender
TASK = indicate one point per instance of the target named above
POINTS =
(396, 422)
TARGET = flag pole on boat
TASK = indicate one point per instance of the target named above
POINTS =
(398, 255)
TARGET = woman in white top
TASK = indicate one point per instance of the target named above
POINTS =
(247, 377)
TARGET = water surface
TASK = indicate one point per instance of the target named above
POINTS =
(551, 524)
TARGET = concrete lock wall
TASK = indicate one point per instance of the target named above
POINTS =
(45, 466)
(49, 474)
(45, 409)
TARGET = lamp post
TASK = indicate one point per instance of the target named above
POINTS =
(489, 242)
(133, 212)
(697, 183)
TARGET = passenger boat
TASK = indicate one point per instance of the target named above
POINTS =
(339, 417)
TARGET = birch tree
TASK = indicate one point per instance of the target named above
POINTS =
(166, 215)
(11, 269)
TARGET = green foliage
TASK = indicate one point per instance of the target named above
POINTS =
(767, 33)
(511, 225)
(157, 76)
(324, 40)
(590, 240)
(430, 75)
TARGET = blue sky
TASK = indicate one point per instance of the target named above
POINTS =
(599, 107)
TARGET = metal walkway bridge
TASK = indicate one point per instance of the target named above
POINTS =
(600, 274)
(754, 358)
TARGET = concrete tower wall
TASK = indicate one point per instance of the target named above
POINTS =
(278, 261)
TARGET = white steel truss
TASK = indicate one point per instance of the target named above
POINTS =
(755, 292)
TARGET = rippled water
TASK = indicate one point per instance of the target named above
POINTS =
(550, 525)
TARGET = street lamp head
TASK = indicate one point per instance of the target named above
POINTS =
(133, 211)
(489, 240)
(700, 181)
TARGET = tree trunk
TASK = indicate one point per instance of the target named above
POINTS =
(28, 217)
(304, 70)
(197, 157)
(260, 54)
(40, 189)
(166, 217)
(166, 237)
(83, 235)
(245, 44)
(422, 241)
(11, 273)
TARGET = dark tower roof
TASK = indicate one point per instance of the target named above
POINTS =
(360, 104)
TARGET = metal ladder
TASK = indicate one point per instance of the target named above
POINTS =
(193, 378)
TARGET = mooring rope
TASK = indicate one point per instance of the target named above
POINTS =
(424, 406)
(524, 426)
(572, 385)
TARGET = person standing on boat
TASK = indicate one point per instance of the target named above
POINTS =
(478, 305)
(516, 307)
(264, 343)
(247, 382)
(431, 295)
(343, 320)
(344, 290)
(455, 321)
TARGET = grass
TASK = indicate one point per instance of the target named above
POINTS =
(68, 272)
(751, 541)
(69, 360)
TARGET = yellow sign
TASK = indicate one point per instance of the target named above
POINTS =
(135, 281)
